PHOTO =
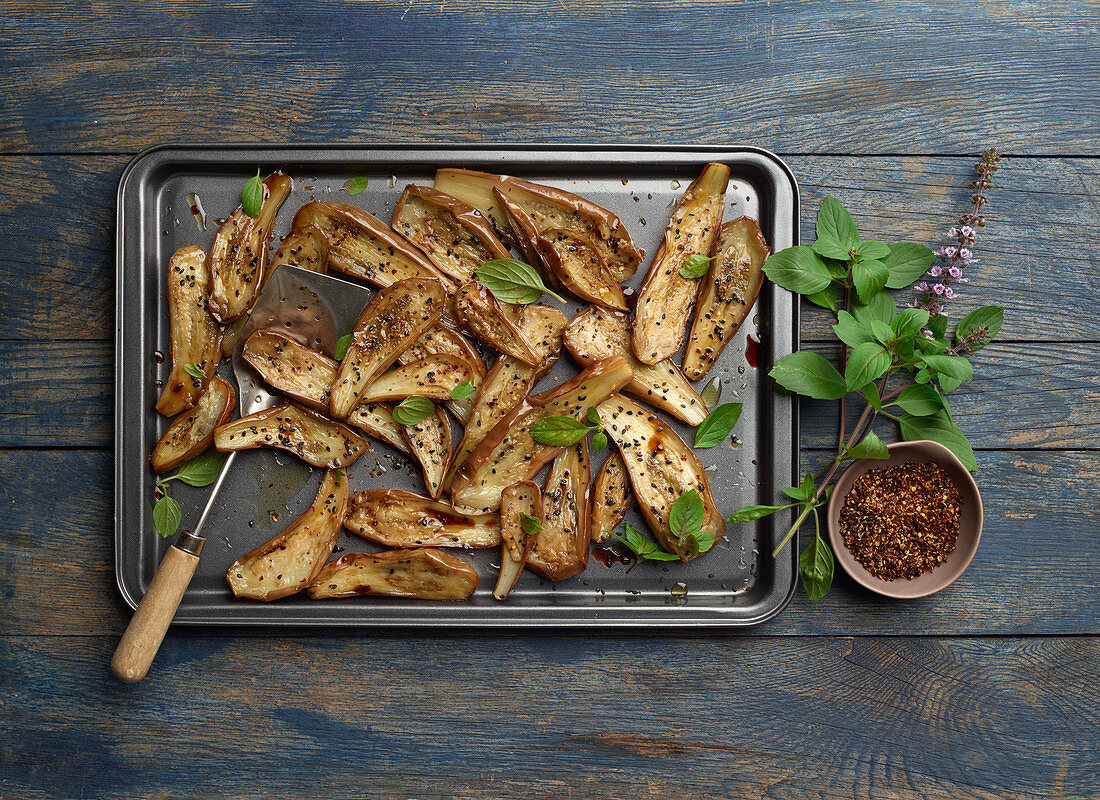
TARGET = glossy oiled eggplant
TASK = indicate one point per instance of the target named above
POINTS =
(561, 548)
(192, 432)
(376, 419)
(195, 336)
(509, 454)
(580, 267)
(666, 297)
(483, 316)
(305, 247)
(238, 256)
(430, 443)
(727, 293)
(596, 333)
(422, 574)
(445, 340)
(288, 562)
(453, 234)
(524, 232)
(433, 377)
(301, 374)
(518, 499)
(661, 469)
(391, 323)
(612, 497)
(312, 437)
(396, 518)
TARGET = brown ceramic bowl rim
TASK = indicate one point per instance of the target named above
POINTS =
(970, 533)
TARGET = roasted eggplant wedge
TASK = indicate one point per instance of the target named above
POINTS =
(580, 267)
(396, 518)
(518, 499)
(482, 315)
(238, 256)
(433, 377)
(509, 454)
(376, 419)
(612, 497)
(727, 294)
(661, 469)
(288, 562)
(666, 296)
(363, 246)
(453, 234)
(561, 548)
(422, 574)
(524, 232)
(195, 336)
(548, 208)
(305, 247)
(301, 374)
(391, 323)
(430, 443)
(312, 437)
(443, 340)
(192, 432)
(596, 333)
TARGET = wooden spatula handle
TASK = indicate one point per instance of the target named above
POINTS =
(141, 641)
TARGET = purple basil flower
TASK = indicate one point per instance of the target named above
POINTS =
(967, 231)
(965, 254)
(936, 271)
(950, 252)
(939, 288)
(948, 292)
(922, 286)
(953, 233)
(954, 272)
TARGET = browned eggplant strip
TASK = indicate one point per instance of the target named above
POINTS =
(525, 233)
(561, 548)
(392, 322)
(238, 256)
(597, 333)
(430, 443)
(301, 374)
(288, 562)
(518, 499)
(453, 234)
(580, 267)
(661, 469)
(433, 377)
(192, 432)
(376, 419)
(612, 497)
(509, 454)
(195, 336)
(727, 294)
(443, 340)
(396, 518)
(305, 247)
(482, 315)
(312, 437)
(422, 574)
(666, 297)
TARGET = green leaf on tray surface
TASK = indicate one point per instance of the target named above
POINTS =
(717, 426)
(355, 185)
(870, 447)
(462, 391)
(413, 410)
(982, 324)
(826, 298)
(342, 345)
(907, 261)
(815, 565)
(558, 431)
(194, 370)
(751, 513)
(851, 331)
(167, 515)
(869, 276)
(695, 543)
(686, 515)
(642, 546)
(939, 428)
(798, 269)
(809, 374)
(920, 400)
(252, 195)
(829, 247)
(866, 363)
(909, 322)
(834, 220)
(937, 324)
(513, 281)
(203, 469)
(695, 266)
(873, 249)
(531, 525)
(880, 306)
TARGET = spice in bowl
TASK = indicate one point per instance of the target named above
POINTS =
(902, 521)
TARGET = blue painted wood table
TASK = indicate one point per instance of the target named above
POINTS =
(987, 690)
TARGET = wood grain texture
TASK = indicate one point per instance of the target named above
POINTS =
(835, 77)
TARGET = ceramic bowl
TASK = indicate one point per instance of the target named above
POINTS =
(970, 521)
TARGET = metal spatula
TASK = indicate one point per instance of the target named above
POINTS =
(315, 310)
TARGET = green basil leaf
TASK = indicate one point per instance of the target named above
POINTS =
(869, 447)
(871, 395)
(955, 367)
(826, 298)
(920, 400)
(413, 410)
(906, 261)
(879, 306)
(599, 440)
(948, 384)
(873, 249)
(687, 513)
(750, 513)
(512, 281)
(643, 547)
(978, 328)
(869, 277)
(798, 269)
(795, 493)
(194, 370)
(851, 331)
(695, 266)
(531, 525)
(829, 247)
(815, 565)
(882, 331)
(937, 324)
(922, 376)
(834, 220)
(342, 345)
(717, 426)
(809, 374)
(203, 469)
(909, 322)
(807, 486)
(695, 543)
(462, 391)
(934, 347)
(558, 431)
(252, 195)
(167, 515)
(355, 185)
(866, 363)
(593, 415)
(939, 428)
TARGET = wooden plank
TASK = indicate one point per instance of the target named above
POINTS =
(474, 717)
(836, 77)
(1035, 571)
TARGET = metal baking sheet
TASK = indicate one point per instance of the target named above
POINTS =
(738, 584)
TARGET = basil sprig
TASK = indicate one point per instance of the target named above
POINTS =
(567, 431)
(532, 526)
(413, 410)
(252, 195)
(342, 345)
(513, 281)
(695, 266)
(202, 470)
(717, 426)
(356, 185)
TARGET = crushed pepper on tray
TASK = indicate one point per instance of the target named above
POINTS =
(903, 521)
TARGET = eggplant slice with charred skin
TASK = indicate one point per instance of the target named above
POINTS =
(519, 498)
(421, 574)
(433, 377)
(238, 257)
(376, 420)
(727, 294)
(192, 432)
(509, 454)
(396, 518)
(391, 323)
(666, 297)
(430, 443)
(453, 234)
(561, 548)
(312, 437)
(661, 469)
(195, 336)
(483, 316)
(612, 497)
(288, 562)
(580, 268)
(302, 374)
(305, 247)
(443, 340)
(597, 333)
